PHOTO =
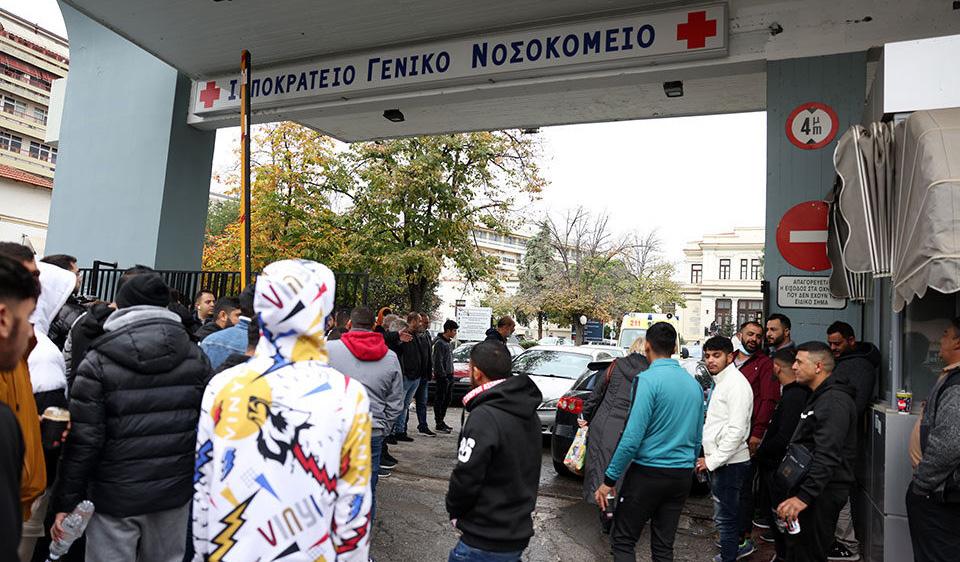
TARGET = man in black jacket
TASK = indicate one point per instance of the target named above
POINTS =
(425, 350)
(134, 409)
(493, 488)
(858, 363)
(404, 344)
(443, 373)
(504, 329)
(827, 429)
(785, 418)
(72, 309)
(226, 313)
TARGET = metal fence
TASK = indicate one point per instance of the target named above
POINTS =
(101, 283)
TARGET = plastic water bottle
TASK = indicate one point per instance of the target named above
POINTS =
(73, 527)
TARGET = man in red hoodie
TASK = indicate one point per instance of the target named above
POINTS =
(757, 367)
(362, 355)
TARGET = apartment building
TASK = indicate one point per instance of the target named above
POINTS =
(31, 59)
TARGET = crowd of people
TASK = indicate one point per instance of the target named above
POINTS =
(257, 426)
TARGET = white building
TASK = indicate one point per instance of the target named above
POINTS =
(509, 250)
(31, 59)
(722, 280)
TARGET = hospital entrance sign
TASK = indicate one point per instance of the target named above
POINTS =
(613, 42)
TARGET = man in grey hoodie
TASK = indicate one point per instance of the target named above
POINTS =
(933, 498)
(362, 354)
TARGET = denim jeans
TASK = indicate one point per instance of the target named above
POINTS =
(409, 389)
(465, 553)
(726, 483)
(421, 397)
(376, 447)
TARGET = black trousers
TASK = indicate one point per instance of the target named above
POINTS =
(747, 497)
(442, 398)
(934, 528)
(774, 496)
(654, 494)
(818, 522)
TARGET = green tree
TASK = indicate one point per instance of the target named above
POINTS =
(413, 202)
(220, 214)
(539, 267)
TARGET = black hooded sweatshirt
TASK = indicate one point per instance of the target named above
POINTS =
(493, 488)
(860, 367)
(828, 430)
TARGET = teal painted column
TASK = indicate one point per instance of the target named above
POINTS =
(133, 179)
(795, 175)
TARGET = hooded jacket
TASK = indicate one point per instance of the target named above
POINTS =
(414, 355)
(784, 422)
(86, 329)
(493, 488)
(364, 356)
(859, 367)
(15, 392)
(283, 444)
(442, 357)
(134, 409)
(493, 334)
(48, 370)
(828, 430)
(727, 427)
(60, 327)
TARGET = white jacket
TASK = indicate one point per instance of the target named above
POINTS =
(727, 427)
(48, 370)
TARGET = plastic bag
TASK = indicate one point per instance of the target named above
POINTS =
(577, 452)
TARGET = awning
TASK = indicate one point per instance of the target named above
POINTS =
(844, 284)
(926, 229)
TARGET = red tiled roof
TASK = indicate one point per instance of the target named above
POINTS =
(25, 177)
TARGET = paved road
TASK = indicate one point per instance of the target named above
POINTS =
(412, 522)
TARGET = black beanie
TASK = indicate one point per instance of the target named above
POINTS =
(146, 288)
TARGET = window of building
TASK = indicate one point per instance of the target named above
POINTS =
(743, 269)
(724, 313)
(43, 152)
(749, 310)
(10, 142)
(11, 105)
(756, 271)
(924, 321)
(40, 114)
(724, 269)
(696, 273)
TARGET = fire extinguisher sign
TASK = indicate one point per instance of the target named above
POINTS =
(812, 125)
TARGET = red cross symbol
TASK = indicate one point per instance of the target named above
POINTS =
(696, 30)
(210, 94)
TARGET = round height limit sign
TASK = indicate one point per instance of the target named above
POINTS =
(812, 125)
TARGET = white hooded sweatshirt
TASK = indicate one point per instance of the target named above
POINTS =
(48, 371)
(283, 445)
(727, 427)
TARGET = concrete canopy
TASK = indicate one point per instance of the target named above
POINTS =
(204, 39)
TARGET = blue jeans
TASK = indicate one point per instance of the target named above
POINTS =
(409, 389)
(421, 397)
(464, 553)
(376, 447)
(725, 483)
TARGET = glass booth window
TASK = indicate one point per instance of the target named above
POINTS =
(924, 320)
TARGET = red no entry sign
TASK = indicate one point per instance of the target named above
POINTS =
(812, 125)
(802, 236)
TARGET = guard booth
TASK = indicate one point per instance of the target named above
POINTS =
(151, 81)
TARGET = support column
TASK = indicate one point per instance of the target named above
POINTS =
(133, 179)
(795, 175)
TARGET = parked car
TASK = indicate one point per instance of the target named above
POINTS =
(555, 369)
(569, 408)
(461, 369)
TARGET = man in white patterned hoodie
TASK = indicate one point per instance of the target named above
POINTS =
(283, 443)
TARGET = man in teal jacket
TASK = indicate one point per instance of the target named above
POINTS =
(658, 451)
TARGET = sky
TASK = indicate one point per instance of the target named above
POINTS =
(684, 177)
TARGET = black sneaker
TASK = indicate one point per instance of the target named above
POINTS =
(761, 523)
(404, 438)
(767, 536)
(391, 440)
(840, 552)
(426, 431)
(387, 461)
(443, 429)
(384, 473)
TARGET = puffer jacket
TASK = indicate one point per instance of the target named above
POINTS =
(68, 314)
(134, 408)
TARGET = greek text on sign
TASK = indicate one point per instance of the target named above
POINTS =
(812, 125)
(806, 292)
(612, 42)
(474, 323)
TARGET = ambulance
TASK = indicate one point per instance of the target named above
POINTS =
(635, 325)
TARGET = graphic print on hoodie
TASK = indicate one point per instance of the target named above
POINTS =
(283, 443)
